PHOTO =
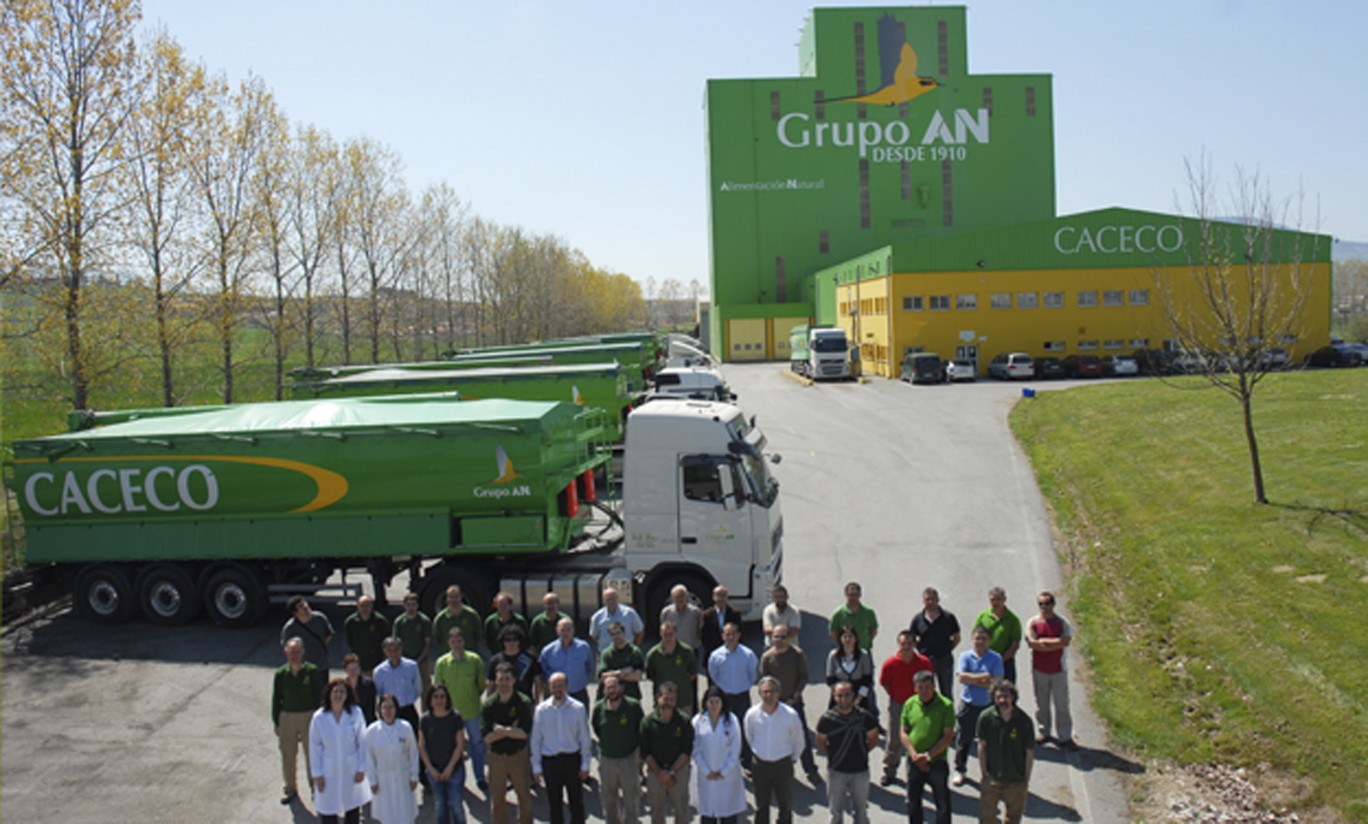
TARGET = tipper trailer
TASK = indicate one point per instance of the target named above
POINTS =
(230, 508)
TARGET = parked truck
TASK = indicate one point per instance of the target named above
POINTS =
(594, 385)
(819, 352)
(229, 509)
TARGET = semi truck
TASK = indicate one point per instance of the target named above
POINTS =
(595, 385)
(228, 509)
(819, 352)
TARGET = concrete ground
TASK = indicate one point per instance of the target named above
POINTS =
(897, 487)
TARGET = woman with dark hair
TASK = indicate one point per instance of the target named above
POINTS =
(718, 791)
(850, 663)
(441, 745)
(362, 686)
(337, 755)
(392, 765)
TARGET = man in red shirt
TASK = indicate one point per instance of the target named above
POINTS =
(895, 676)
(1048, 635)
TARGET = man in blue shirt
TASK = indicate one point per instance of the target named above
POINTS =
(613, 611)
(976, 670)
(573, 658)
(733, 668)
(399, 676)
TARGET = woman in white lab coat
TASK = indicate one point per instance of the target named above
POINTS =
(337, 755)
(392, 765)
(718, 791)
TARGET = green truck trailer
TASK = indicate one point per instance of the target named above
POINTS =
(593, 385)
(228, 509)
(638, 358)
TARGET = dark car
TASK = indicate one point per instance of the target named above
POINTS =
(1153, 361)
(922, 367)
(1334, 355)
(1083, 366)
(1048, 368)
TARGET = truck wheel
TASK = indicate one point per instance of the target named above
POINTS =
(168, 595)
(105, 594)
(235, 597)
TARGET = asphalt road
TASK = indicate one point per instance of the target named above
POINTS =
(894, 486)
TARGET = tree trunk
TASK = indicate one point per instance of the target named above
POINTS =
(1255, 467)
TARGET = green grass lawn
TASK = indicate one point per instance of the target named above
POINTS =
(1219, 629)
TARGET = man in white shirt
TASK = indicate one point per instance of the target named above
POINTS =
(776, 738)
(560, 750)
(614, 611)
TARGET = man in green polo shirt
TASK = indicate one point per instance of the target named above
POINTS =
(456, 613)
(928, 726)
(462, 672)
(295, 694)
(623, 659)
(674, 661)
(616, 722)
(1006, 754)
(856, 615)
(667, 745)
(414, 628)
(1004, 630)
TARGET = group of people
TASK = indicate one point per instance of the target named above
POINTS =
(524, 716)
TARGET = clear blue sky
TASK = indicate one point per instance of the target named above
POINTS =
(585, 120)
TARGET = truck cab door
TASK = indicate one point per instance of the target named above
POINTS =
(714, 521)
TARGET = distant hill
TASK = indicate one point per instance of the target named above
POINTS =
(1349, 250)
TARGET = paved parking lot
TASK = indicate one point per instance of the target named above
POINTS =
(897, 487)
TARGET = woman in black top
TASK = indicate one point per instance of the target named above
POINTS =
(441, 746)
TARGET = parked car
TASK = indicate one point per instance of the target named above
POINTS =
(922, 367)
(1048, 368)
(1336, 354)
(1083, 366)
(1153, 361)
(1274, 359)
(1192, 362)
(960, 369)
(1118, 366)
(1360, 348)
(1009, 365)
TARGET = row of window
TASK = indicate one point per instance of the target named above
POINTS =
(1114, 344)
(1026, 300)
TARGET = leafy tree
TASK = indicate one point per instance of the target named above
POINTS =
(161, 212)
(315, 190)
(68, 86)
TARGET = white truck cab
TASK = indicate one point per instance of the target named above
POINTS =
(700, 501)
(697, 382)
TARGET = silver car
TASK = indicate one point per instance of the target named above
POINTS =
(960, 369)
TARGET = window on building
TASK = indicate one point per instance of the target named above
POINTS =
(1113, 297)
(969, 301)
(940, 303)
(1026, 300)
(1139, 343)
(1053, 300)
(1114, 343)
(912, 303)
(1087, 345)
(1139, 297)
(1087, 297)
(1054, 346)
(1000, 300)
(912, 350)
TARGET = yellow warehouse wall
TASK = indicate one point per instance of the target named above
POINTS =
(885, 329)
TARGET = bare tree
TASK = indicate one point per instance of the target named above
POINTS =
(68, 91)
(270, 191)
(378, 203)
(1243, 294)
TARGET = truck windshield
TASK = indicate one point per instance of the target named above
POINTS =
(764, 489)
(835, 343)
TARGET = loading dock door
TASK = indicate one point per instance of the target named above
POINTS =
(746, 339)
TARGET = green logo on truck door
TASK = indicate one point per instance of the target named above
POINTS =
(184, 484)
